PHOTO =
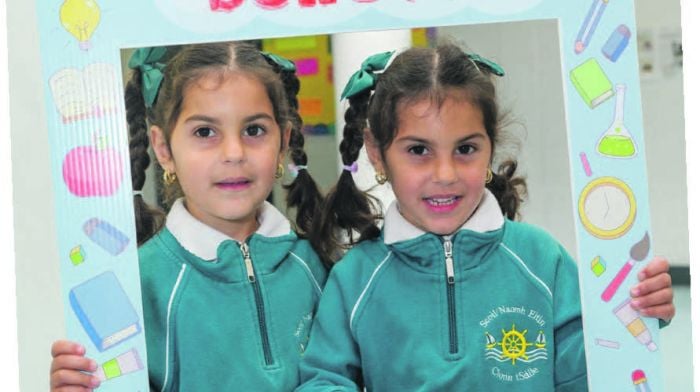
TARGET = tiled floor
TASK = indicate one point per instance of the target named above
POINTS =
(676, 349)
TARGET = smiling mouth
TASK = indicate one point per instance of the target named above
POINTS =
(441, 201)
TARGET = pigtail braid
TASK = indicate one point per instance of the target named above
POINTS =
(148, 219)
(302, 193)
(346, 209)
(510, 191)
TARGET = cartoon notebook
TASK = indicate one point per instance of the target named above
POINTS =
(104, 310)
(591, 83)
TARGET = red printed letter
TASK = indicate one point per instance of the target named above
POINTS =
(224, 5)
(311, 3)
(271, 4)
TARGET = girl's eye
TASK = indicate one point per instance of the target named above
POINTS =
(254, 130)
(204, 132)
(466, 149)
(418, 150)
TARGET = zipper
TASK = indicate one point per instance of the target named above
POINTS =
(451, 312)
(259, 304)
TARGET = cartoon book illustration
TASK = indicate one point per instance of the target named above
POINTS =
(80, 94)
(104, 310)
(591, 83)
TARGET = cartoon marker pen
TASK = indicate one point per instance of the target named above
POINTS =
(639, 379)
(630, 319)
(590, 23)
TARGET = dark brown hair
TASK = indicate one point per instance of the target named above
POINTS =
(187, 65)
(414, 75)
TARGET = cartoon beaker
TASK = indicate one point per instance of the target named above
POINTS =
(617, 142)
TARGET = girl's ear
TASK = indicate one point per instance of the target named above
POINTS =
(161, 149)
(373, 152)
(286, 134)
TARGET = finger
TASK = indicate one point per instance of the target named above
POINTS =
(61, 347)
(651, 284)
(665, 312)
(71, 388)
(65, 379)
(657, 265)
(660, 297)
(73, 362)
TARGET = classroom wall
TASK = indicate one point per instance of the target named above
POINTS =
(39, 309)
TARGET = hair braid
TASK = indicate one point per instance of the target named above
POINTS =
(346, 207)
(148, 219)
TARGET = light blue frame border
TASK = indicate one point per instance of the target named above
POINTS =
(136, 23)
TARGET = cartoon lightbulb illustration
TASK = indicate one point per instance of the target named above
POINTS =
(80, 19)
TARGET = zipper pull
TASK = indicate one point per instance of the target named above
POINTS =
(248, 262)
(449, 264)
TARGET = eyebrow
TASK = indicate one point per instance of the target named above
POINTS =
(416, 139)
(214, 120)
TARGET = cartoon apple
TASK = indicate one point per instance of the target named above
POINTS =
(92, 171)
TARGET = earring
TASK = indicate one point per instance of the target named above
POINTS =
(489, 175)
(169, 178)
(380, 177)
(280, 171)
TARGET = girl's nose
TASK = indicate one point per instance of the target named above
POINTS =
(232, 150)
(445, 171)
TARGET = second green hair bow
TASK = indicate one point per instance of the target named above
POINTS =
(365, 78)
(283, 63)
(146, 59)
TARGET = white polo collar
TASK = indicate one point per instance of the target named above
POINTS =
(487, 217)
(203, 241)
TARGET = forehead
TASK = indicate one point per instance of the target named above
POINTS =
(226, 88)
(451, 109)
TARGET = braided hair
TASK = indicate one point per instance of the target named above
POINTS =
(414, 75)
(185, 66)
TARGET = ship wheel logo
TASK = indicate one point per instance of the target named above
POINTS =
(514, 345)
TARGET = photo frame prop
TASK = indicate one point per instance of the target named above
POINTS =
(80, 44)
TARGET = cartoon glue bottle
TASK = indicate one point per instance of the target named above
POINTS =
(639, 379)
(630, 318)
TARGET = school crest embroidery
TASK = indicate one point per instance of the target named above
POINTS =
(514, 346)
(515, 343)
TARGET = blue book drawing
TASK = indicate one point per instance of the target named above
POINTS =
(104, 310)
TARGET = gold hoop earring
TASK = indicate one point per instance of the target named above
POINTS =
(380, 177)
(169, 178)
(489, 175)
(280, 171)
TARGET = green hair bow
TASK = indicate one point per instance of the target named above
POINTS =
(284, 64)
(365, 79)
(492, 67)
(146, 59)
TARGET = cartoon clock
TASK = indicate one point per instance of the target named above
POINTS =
(607, 207)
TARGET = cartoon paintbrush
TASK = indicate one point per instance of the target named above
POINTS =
(638, 252)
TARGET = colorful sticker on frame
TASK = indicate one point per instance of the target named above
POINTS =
(80, 42)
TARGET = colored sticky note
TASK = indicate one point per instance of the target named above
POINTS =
(295, 43)
(307, 66)
(310, 106)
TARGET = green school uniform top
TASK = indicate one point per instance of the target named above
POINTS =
(494, 307)
(225, 316)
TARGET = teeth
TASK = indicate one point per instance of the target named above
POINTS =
(441, 201)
